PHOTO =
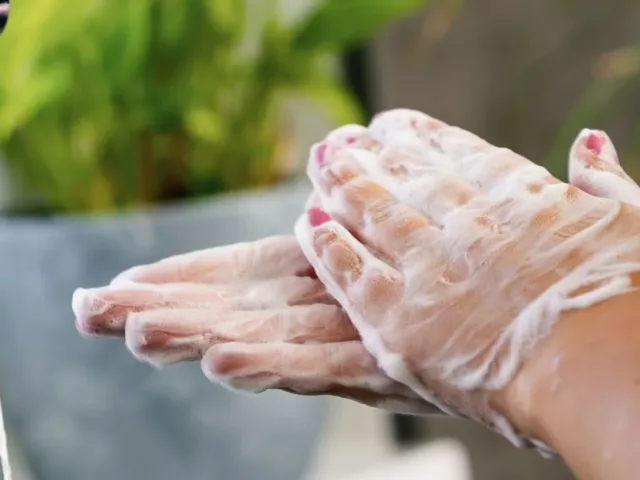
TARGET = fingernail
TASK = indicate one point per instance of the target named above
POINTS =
(320, 152)
(598, 143)
(595, 142)
(351, 140)
(317, 217)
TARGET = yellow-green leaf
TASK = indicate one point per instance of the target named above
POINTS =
(205, 124)
(335, 24)
(338, 103)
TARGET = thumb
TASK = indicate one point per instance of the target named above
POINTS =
(594, 168)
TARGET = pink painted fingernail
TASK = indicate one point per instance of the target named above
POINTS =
(598, 143)
(350, 140)
(317, 216)
(595, 142)
(320, 152)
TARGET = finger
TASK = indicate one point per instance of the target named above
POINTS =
(266, 258)
(353, 136)
(163, 337)
(404, 127)
(414, 178)
(349, 136)
(384, 213)
(594, 168)
(343, 369)
(258, 367)
(104, 311)
(397, 163)
(414, 129)
(363, 284)
(301, 368)
(481, 164)
(428, 188)
(356, 136)
(368, 209)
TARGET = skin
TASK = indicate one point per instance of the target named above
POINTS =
(262, 321)
(296, 338)
(580, 390)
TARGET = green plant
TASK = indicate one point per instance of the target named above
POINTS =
(109, 104)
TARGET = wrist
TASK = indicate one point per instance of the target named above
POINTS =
(517, 400)
(568, 377)
(524, 400)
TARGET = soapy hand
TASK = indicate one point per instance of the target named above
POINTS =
(262, 316)
(453, 257)
(256, 316)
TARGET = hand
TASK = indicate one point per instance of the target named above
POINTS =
(257, 309)
(159, 306)
(224, 300)
(452, 257)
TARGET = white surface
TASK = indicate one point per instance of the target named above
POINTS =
(4, 455)
(19, 468)
(358, 445)
(355, 438)
(441, 460)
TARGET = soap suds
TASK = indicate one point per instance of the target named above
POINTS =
(498, 178)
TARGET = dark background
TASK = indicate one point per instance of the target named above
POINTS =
(3, 19)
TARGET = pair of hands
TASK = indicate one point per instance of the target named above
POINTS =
(413, 279)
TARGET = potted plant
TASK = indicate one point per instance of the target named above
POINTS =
(112, 116)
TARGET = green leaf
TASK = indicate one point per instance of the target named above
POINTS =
(204, 124)
(339, 23)
(227, 16)
(126, 41)
(116, 103)
(32, 94)
(171, 23)
(338, 103)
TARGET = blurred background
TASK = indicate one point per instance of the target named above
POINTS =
(4, 14)
(130, 131)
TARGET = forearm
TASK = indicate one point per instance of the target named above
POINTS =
(580, 392)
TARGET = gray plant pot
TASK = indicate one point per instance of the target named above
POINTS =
(85, 409)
